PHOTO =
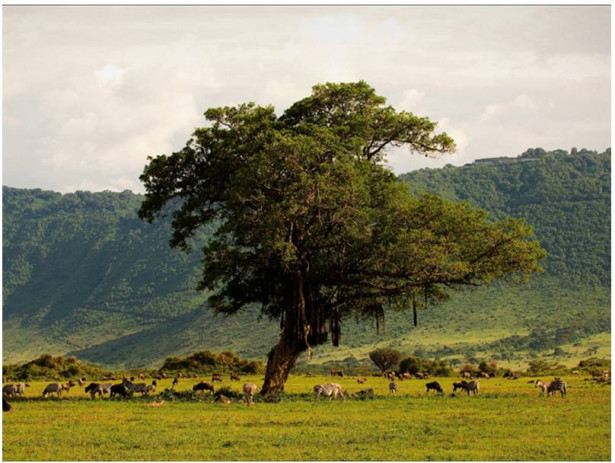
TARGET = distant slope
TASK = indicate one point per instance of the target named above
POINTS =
(83, 275)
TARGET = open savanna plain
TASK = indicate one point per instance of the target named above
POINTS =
(508, 420)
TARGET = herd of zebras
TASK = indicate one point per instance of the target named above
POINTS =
(331, 390)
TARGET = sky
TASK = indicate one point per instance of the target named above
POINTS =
(89, 92)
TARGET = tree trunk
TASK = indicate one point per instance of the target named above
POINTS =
(282, 358)
(304, 327)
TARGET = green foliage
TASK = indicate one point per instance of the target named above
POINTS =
(50, 367)
(206, 362)
(566, 199)
(436, 367)
(385, 358)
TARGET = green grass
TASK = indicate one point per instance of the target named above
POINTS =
(509, 420)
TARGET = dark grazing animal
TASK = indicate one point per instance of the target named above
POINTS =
(216, 377)
(235, 377)
(331, 390)
(434, 386)
(6, 405)
(121, 390)
(460, 385)
(202, 386)
(361, 380)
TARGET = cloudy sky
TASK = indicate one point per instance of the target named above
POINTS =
(90, 92)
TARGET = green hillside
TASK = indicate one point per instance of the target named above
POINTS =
(82, 275)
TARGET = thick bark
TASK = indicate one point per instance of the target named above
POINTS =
(282, 358)
(303, 328)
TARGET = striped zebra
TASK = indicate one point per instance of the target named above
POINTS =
(558, 384)
(392, 387)
(331, 390)
(54, 388)
(471, 388)
(142, 388)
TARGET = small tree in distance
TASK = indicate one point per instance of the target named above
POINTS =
(385, 358)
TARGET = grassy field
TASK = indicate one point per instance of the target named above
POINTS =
(508, 420)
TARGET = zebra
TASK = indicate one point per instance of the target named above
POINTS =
(93, 389)
(392, 387)
(557, 385)
(52, 388)
(330, 390)
(143, 388)
(472, 387)
(15, 389)
(249, 389)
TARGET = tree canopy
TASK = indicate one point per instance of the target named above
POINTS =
(308, 223)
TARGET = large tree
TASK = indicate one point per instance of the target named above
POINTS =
(308, 223)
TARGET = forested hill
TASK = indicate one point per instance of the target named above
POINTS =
(566, 198)
(83, 275)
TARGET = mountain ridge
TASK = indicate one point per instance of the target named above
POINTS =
(83, 275)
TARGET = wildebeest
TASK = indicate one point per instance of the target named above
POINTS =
(216, 377)
(121, 390)
(361, 380)
(460, 385)
(331, 390)
(175, 381)
(249, 389)
(235, 377)
(6, 405)
(434, 386)
(202, 386)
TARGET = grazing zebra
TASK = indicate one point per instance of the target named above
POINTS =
(93, 389)
(53, 388)
(392, 387)
(434, 386)
(143, 388)
(202, 386)
(472, 387)
(557, 385)
(331, 390)
(249, 389)
(14, 389)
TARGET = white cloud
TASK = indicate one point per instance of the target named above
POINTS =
(89, 95)
(110, 74)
